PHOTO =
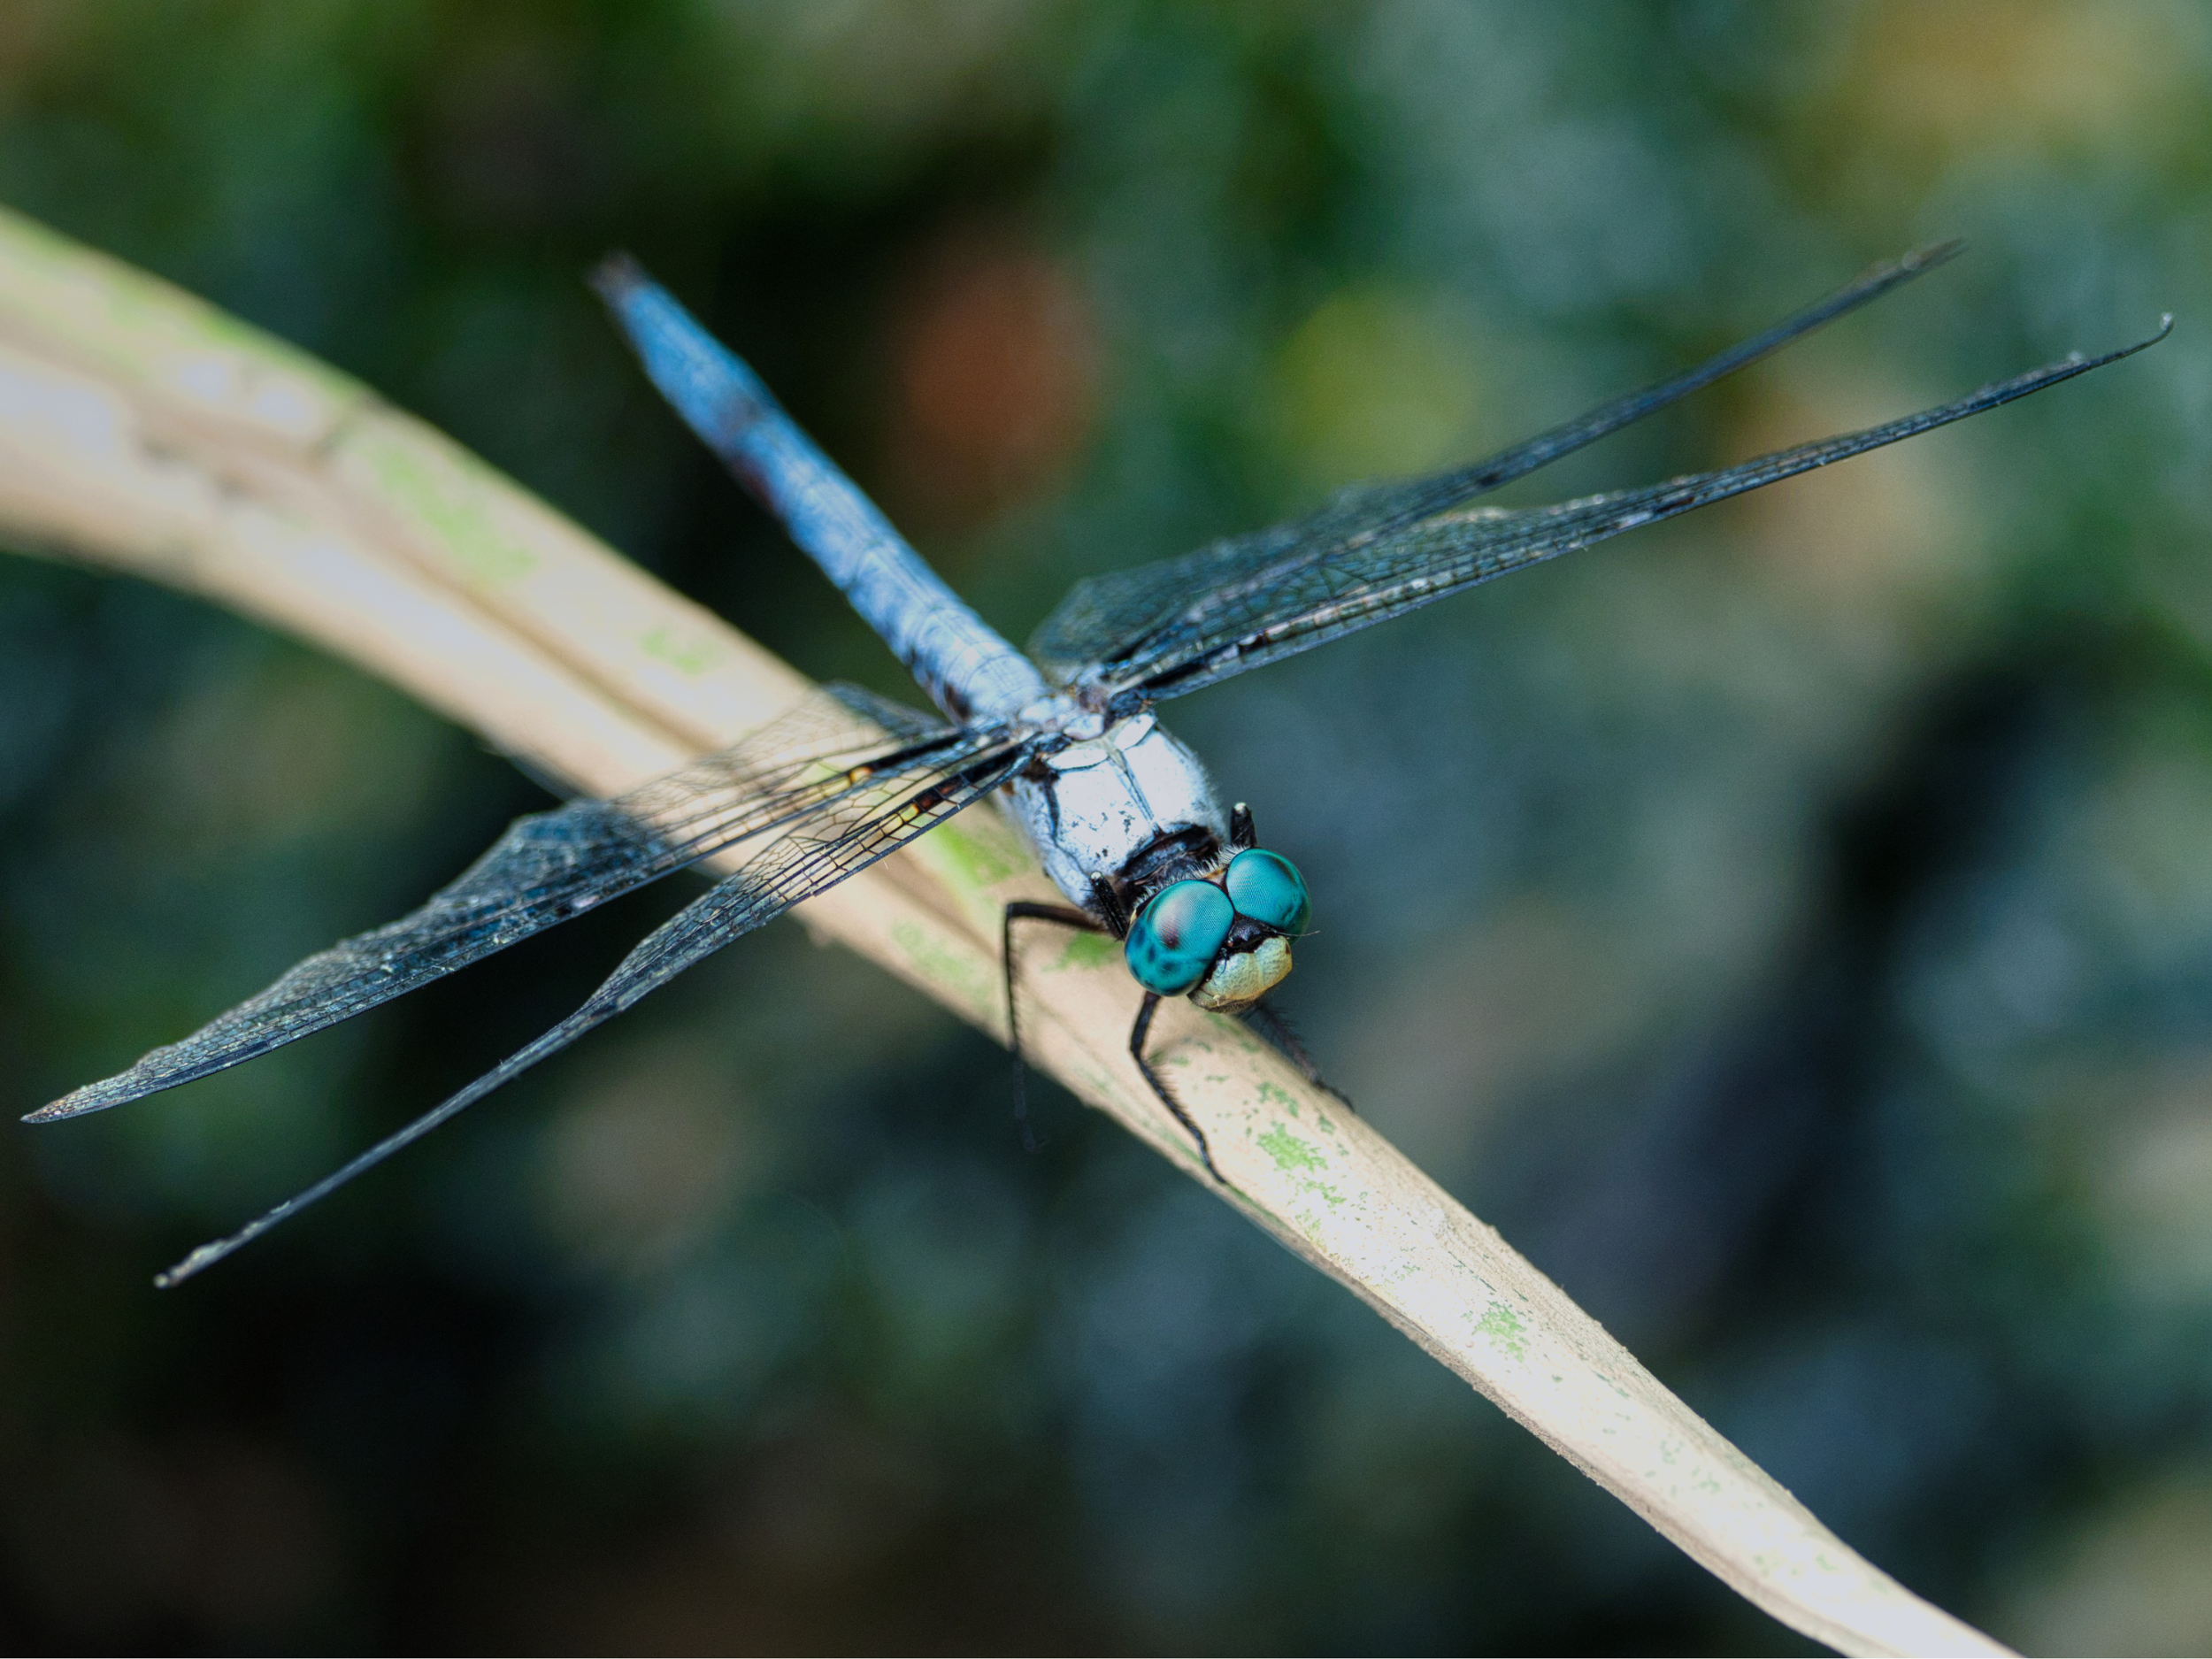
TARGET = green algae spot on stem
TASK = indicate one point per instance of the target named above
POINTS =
(1291, 1156)
(1086, 950)
(969, 856)
(1289, 1152)
(1505, 1331)
(688, 656)
(950, 970)
(441, 499)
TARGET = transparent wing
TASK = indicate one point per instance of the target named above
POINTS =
(1241, 626)
(1107, 622)
(837, 840)
(550, 866)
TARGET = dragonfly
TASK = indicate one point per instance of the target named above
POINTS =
(1066, 737)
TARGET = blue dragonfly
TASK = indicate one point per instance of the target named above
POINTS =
(1122, 815)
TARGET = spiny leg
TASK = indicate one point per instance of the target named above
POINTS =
(1281, 1036)
(1137, 1034)
(1030, 910)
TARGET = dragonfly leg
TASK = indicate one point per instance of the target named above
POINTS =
(1029, 911)
(1273, 1025)
(1137, 1034)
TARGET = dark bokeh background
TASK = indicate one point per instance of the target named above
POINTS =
(1794, 926)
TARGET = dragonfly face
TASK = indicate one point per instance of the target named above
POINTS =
(1124, 818)
(1223, 938)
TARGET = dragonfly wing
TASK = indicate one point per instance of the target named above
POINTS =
(1106, 622)
(1228, 633)
(553, 865)
(838, 840)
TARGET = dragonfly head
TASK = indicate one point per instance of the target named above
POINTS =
(1222, 939)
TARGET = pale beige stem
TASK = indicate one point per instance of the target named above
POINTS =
(143, 431)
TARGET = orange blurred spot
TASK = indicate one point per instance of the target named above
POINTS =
(993, 367)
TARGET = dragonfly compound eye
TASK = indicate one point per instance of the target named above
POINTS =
(1267, 888)
(1176, 938)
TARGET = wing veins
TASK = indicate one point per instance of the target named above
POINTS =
(551, 867)
(791, 870)
(1423, 499)
(1364, 514)
(1445, 554)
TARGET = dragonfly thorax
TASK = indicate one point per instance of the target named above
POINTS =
(1111, 805)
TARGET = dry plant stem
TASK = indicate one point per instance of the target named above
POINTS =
(142, 431)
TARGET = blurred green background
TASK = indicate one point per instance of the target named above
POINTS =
(1793, 926)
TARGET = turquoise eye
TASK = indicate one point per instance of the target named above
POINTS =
(1176, 938)
(1267, 888)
